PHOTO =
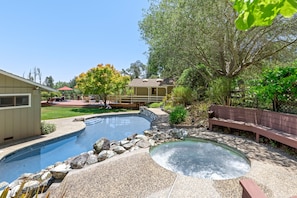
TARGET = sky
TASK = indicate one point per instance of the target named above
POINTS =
(67, 37)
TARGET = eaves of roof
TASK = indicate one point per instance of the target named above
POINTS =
(37, 85)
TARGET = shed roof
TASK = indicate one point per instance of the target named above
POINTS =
(155, 82)
(40, 86)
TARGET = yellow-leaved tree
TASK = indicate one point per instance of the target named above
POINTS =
(102, 80)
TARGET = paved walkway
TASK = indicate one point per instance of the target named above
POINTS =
(135, 174)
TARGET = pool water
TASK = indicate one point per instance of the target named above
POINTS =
(40, 156)
(201, 159)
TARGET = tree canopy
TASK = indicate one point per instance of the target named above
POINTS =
(187, 33)
(253, 13)
(277, 84)
(102, 80)
(136, 70)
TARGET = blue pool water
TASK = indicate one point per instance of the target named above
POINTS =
(37, 157)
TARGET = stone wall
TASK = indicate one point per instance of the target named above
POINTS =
(158, 121)
(147, 113)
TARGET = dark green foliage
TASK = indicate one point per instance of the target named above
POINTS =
(182, 95)
(219, 91)
(277, 84)
(196, 78)
(178, 115)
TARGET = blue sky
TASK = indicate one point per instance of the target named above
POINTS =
(67, 37)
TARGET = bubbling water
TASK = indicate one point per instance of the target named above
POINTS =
(202, 159)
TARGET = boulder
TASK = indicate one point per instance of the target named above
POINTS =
(79, 161)
(60, 171)
(31, 186)
(92, 159)
(160, 136)
(103, 155)
(152, 142)
(134, 141)
(45, 175)
(118, 149)
(131, 137)
(128, 145)
(179, 133)
(101, 144)
(123, 142)
(148, 133)
(141, 137)
(143, 144)
(13, 192)
(3, 184)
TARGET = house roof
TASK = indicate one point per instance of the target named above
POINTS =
(156, 82)
(37, 85)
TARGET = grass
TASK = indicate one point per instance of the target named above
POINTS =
(48, 113)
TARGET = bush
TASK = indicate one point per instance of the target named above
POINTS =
(178, 115)
(219, 91)
(182, 95)
(47, 128)
(156, 105)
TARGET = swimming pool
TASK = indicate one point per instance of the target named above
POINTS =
(34, 158)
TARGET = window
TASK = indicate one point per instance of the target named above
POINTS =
(15, 100)
(21, 100)
(6, 101)
(154, 91)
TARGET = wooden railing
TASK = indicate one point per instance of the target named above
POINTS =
(135, 99)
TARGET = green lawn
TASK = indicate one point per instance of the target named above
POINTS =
(48, 113)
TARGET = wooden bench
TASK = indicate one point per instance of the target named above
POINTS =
(250, 189)
(280, 127)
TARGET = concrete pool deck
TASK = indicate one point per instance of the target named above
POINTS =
(135, 174)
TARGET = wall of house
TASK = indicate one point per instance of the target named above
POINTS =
(22, 122)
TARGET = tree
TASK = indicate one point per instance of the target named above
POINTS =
(49, 81)
(197, 79)
(187, 33)
(36, 73)
(136, 70)
(277, 84)
(253, 13)
(72, 82)
(155, 63)
(102, 80)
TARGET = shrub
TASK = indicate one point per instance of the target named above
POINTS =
(178, 115)
(219, 91)
(156, 105)
(47, 128)
(182, 95)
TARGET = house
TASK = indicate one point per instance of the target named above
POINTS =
(20, 107)
(148, 90)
